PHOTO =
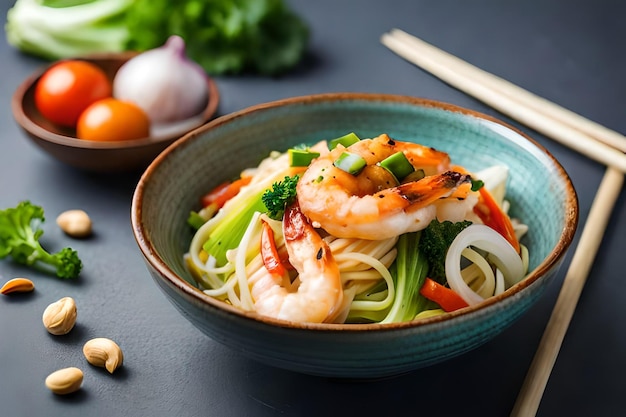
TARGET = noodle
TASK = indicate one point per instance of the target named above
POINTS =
(366, 267)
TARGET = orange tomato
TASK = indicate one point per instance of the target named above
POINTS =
(66, 89)
(110, 119)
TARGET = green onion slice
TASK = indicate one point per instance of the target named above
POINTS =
(301, 157)
(345, 140)
(398, 165)
(350, 162)
(416, 175)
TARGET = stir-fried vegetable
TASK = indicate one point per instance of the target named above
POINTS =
(384, 278)
(446, 298)
(279, 196)
(499, 252)
(224, 192)
(269, 252)
(231, 228)
(434, 244)
(350, 163)
(409, 272)
(345, 140)
(492, 215)
(398, 165)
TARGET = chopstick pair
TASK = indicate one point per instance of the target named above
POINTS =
(585, 136)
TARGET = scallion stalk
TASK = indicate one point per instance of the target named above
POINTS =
(345, 140)
(301, 157)
(398, 165)
(350, 163)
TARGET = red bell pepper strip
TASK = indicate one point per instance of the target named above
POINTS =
(269, 252)
(492, 215)
(224, 192)
(447, 298)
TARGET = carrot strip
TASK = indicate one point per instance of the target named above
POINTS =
(269, 252)
(447, 298)
(224, 192)
(492, 215)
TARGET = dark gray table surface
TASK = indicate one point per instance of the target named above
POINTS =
(571, 52)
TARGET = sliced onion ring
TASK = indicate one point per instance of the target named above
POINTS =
(501, 253)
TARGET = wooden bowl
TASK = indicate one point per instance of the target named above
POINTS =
(108, 157)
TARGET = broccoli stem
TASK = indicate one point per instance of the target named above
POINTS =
(226, 229)
(409, 272)
(230, 229)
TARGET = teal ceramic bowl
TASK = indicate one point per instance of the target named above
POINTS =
(539, 189)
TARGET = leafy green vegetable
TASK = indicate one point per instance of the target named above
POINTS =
(279, 196)
(19, 238)
(434, 244)
(60, 29)
(223, 36)
(409, 272)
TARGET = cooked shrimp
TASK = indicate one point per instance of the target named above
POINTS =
(318, 293)
(423, 157)
(371, 205)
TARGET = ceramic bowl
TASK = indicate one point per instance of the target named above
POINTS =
(114, 156)
(539, 190)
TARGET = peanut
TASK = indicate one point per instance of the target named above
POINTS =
(65, 381)
(17, 285)
(60, 316)
(75, 223)
(104, 353)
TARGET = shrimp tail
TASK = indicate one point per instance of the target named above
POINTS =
(297, 228)
(430, 189)
(310, 255)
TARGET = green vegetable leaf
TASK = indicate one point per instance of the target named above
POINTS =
(19, 238)
(223, 36)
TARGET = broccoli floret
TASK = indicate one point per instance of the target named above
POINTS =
(279, 196)
(434, 244)
(19, 237)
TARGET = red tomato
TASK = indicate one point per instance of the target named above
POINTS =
(110, 119)
(66, 89)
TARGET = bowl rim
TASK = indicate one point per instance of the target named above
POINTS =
(189, 291)
(22, 118)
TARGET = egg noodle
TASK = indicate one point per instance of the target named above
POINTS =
(367, 285)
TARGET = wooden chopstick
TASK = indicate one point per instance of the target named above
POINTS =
(530, 395)
(576, 132)
(546, 107)
(569, 128)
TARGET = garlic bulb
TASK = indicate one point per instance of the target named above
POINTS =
(167, 85)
